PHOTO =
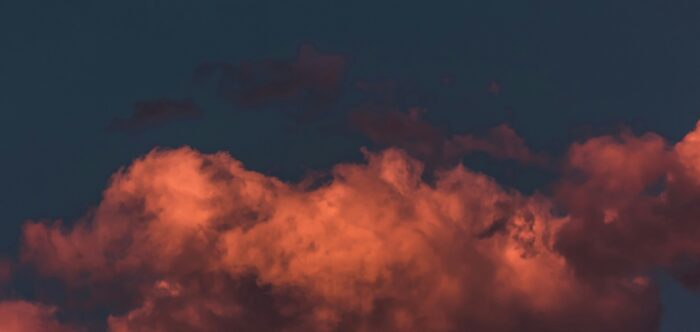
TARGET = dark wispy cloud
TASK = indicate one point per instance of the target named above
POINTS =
(501, 142)
(152, 113)
(409, 131)
(406, 130)
(312, 81)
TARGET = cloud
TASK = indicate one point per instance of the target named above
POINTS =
(192, 241)
(633, 206)
(23, 316)
(406, 130)
(501, 142)
(312, 80)
(380, 91)
(153, 113)
(422, 140)
(5, 273)
(494, 88)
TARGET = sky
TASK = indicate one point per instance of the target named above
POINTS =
(403, 143)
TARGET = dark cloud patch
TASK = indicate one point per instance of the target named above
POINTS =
(401, 129)
(311, 82)
(154, 113)
(498, 226)
(494, 88)
(422, 140)
(393, 93)
(501, 142)
(447, 79)
(379, 91)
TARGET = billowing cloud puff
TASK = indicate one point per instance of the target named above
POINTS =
(22, 316)
(188, 241)
(633, 204)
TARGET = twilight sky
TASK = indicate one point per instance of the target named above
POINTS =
(340, 204)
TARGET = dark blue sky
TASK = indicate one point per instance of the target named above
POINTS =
(68, 69)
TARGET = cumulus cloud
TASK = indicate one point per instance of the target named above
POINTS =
(633, 204)
(192, 241)
(23, 316)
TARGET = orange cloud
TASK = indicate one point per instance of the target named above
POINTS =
(633, 206)
(22, 316)
(185, 240)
